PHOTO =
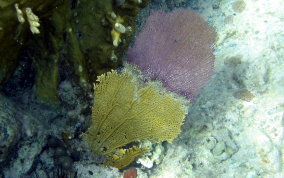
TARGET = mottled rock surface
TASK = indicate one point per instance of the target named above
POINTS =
(10, 130)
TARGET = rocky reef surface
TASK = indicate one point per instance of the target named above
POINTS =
(235, 127)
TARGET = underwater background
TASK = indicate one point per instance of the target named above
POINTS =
(141, 88)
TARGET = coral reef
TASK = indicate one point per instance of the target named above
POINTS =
(176, 49)
(125, 112)
(233, 129)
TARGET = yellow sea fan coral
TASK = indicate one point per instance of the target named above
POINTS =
(123, 157)
(124, 113)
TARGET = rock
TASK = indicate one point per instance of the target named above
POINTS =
(9, 128)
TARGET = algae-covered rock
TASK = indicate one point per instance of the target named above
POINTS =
(9, 128)
(82, 36)
(45, 51)
(11, 37)
(16, 33)
(94, 27)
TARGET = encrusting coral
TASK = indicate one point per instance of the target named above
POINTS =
(125, 112)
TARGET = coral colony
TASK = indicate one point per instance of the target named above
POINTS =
(124, 113)
(176, 49)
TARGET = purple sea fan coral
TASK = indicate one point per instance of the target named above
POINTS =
(175, 48)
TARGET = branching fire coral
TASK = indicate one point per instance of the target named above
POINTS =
(124, 113)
